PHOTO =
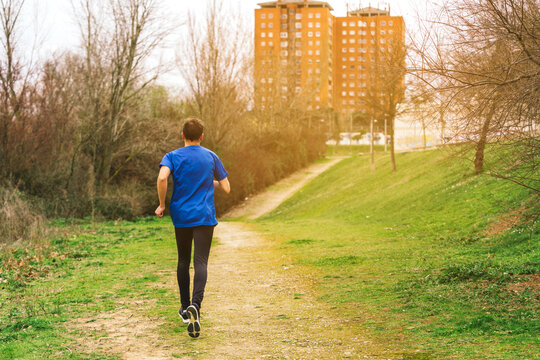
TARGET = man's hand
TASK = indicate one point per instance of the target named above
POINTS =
(159, 211)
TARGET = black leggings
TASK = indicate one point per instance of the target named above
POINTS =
(202, 237)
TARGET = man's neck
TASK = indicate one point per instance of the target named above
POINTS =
(191, 143)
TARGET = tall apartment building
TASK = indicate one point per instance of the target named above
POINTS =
(303, 51)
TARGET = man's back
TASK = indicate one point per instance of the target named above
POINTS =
(193, 168)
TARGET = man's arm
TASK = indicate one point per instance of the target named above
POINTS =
(223, 185)
(164, 173)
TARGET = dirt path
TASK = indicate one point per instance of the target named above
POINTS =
(257, 305)
(260, 306)
(270, 199)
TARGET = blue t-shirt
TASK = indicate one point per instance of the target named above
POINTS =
(194, 169)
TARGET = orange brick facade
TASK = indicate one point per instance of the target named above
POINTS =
(303, 51)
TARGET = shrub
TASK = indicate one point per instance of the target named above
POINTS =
(18, 218)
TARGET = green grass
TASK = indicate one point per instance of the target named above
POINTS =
(86, 270)
(406, 253)
(347, 150)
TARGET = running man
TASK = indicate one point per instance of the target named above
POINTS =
(196, 172)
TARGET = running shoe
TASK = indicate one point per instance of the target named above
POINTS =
(183, 315)
(194, 326)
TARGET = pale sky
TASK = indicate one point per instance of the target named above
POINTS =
(50, 24)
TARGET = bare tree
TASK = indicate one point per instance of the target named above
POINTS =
(13, 82)
(487, 63)
(214, 64)
(387, 84)
(115, 49)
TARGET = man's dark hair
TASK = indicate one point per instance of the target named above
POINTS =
(193, 129)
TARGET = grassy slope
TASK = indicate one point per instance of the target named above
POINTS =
(404, 254)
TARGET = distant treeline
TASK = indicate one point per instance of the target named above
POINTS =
(51, 167)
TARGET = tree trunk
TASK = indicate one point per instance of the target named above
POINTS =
(481, 146)
(424, 132)
(392, 148)
(371, 146)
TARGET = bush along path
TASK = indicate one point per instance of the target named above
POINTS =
(108, 291)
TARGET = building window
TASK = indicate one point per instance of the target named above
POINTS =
(310, 34)
(383, 41)
(284, 53)
(373, 33)
(310, 15)
(270, 16)
(344, 50)
(352, 23)
(270, 34)
(310, 52)
(344, 32)
(298, 25)
(270, 25)
(310, 43)
(390, 31)
(310, 25)
(318, 43)
(344, 41)
(372, 24)
(283, 16)
(310, 61)
(284, 25)
(362, 24)
(270, 43)
(352, 41)
(270, 80)
(263, 25)
(298, 16)
(351, 58)
(298, 35)
(263, 52)
(351, 32)
(263, 43)
(263, 16)
(383, 23)
(390, 23)
(263, 34)
(343, 93)
(298, 53)
(351, 50)
(317, 52)
(318, 34)
(283, 35)
(317, 71)
(284, 44)
(318, 15)
(351, 102)
(318, 24)
(351, 93)
(383, 32)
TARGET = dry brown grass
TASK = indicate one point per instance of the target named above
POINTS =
(19, 221)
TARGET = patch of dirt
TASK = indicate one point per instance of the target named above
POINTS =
(531, 281)
(124, 332)
(505, 222)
